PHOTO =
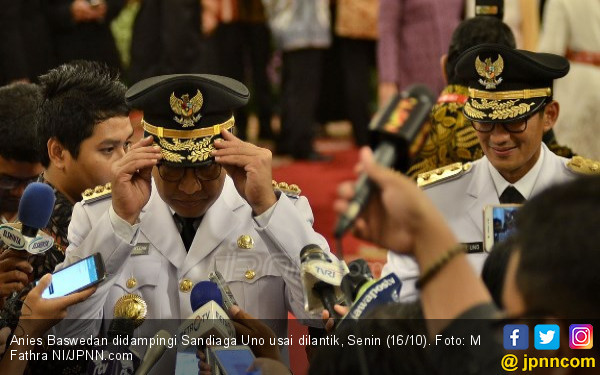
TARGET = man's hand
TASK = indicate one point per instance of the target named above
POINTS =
(14, 271)
(82, 11)
(328, 321)
(399, 216)
(210, 16)
(39, 314)
(385, 91)
(250, 168)
(203, 367)
(132, 176)
(246, 325)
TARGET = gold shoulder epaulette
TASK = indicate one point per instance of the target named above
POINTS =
(448, 172)
(98, 193)
(291, 190)
(584, 166)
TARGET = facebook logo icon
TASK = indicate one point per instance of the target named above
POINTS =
(516, 337)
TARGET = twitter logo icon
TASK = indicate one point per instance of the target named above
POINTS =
(547, 336)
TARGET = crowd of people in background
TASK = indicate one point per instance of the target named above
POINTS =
(306, 62)
(65, 66)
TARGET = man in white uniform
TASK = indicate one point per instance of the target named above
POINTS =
(510, 104)
(189, 199)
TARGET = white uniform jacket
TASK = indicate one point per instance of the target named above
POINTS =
(274, 261)
(461, 201)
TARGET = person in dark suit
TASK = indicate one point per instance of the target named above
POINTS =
(26, 49)
(168, 38)
(82, 30)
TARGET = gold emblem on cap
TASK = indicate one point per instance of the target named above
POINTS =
(131, 282)
(186, 285)
(245, 242)
(187, 108)
(490, 71)
(250, 274)
(131, 306)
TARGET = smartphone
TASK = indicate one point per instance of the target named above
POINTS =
(78, 276)
(499, 223)
(232, 360)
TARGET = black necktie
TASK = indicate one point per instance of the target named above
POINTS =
(511, 195)
(187, 230)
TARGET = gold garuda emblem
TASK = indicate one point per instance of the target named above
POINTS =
(187, 108)
(490, 71)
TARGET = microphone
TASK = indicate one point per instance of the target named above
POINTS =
(359, 274)
(228, 298)
(374, 293)
(394, 130)
(128, 314)
(321, 279)
(35, 208)
(208, 325)
(154, 352)
(10, 313)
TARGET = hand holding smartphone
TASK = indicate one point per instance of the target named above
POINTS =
(78, 276)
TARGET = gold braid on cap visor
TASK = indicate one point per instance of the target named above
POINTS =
(188, 134)
(515, 94)
(508, 108)
(197, 144)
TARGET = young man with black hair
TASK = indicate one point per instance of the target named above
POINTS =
(83, 127)
(19, 165)
(451, 138)
(19, 157)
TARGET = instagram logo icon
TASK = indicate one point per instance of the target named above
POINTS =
(581, 336)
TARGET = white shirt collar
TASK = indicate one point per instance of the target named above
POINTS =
(525, 184)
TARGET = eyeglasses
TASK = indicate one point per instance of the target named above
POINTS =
(511, 127)
(208, 172)
(10, 182)
(518, 126)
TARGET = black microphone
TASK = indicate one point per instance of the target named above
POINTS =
(11, 311)
(394, 129)
(359, 275)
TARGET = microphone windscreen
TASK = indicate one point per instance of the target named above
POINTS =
(36, 205)
(204, 292)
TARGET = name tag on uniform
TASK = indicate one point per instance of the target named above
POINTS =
(474, 247)
(140, 249)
